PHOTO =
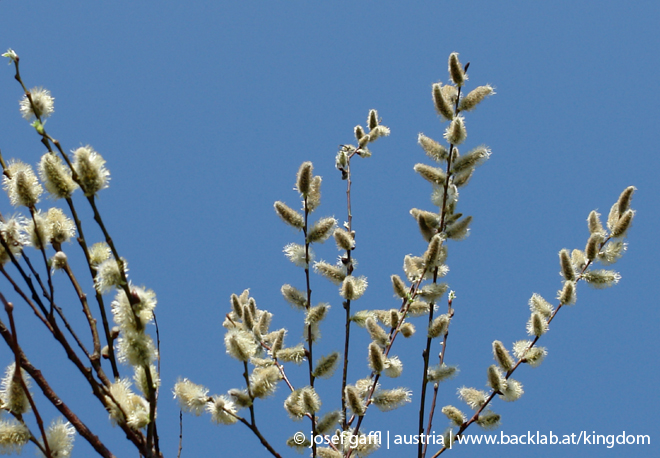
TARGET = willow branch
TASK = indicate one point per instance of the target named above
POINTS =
(48, 392)
(9, 308)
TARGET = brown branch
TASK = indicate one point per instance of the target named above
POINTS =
(436, 386)
(521, 360)
(94, 358)
(421, 448)
(42, 249)
(9, 308)
(99, 297)
(17, 288)
(310, 334)
(347, 302)
(252, 424)
(48, 392)
(134, 436)
(178, 455)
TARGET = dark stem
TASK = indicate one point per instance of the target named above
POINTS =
(421, 449)
(347, 302)
(42, 249)
(310, 336)
(436, 386)
(9, 308)
(475, 417)
(134, 436)
(88, 314)
(99, 297)
(252, 424)
(178, 455)
(48, 392)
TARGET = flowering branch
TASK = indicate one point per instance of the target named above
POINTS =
(17, 378)
(52, 397)
(599, 248)
(460, 76)
(87, 171)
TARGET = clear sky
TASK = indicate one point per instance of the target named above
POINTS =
(205, 110)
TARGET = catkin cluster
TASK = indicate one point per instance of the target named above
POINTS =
(47, 230)
(605, 247)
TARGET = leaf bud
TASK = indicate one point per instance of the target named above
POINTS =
(540, 305)
(495, 378)
(372, 119)
(624, 199)
(439, 326)
(376, 358)
(321, 230)
(456, 132)
(289, 215)
(567, 269)
(354, 401)
(620, 228)
(394, 318)
(593, 245)
(434, 175)
(433, 149)
(455, 415)
(475, 97)
(593, 221)
(442, 105)
(456, 71)
(601, 278)
(378, 334)
(407, 330)
(567, 293)
(502, 356)
(537, 325)
(344, 239)
(304, 178)
(459, 230)
(359, 132)
(326, 366)
(400, 289)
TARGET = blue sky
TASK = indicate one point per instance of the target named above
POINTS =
(205, 110)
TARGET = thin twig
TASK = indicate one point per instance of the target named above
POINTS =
(42, 249)
(436, 386)
(178, 455)
(39, 315)
(421, 448)
(521, 360)
(99, 391)
(9, 308)
(310, 334)
(88, 314)
(99, 297)
(252, 424)
(347, 302)
(82, 429)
